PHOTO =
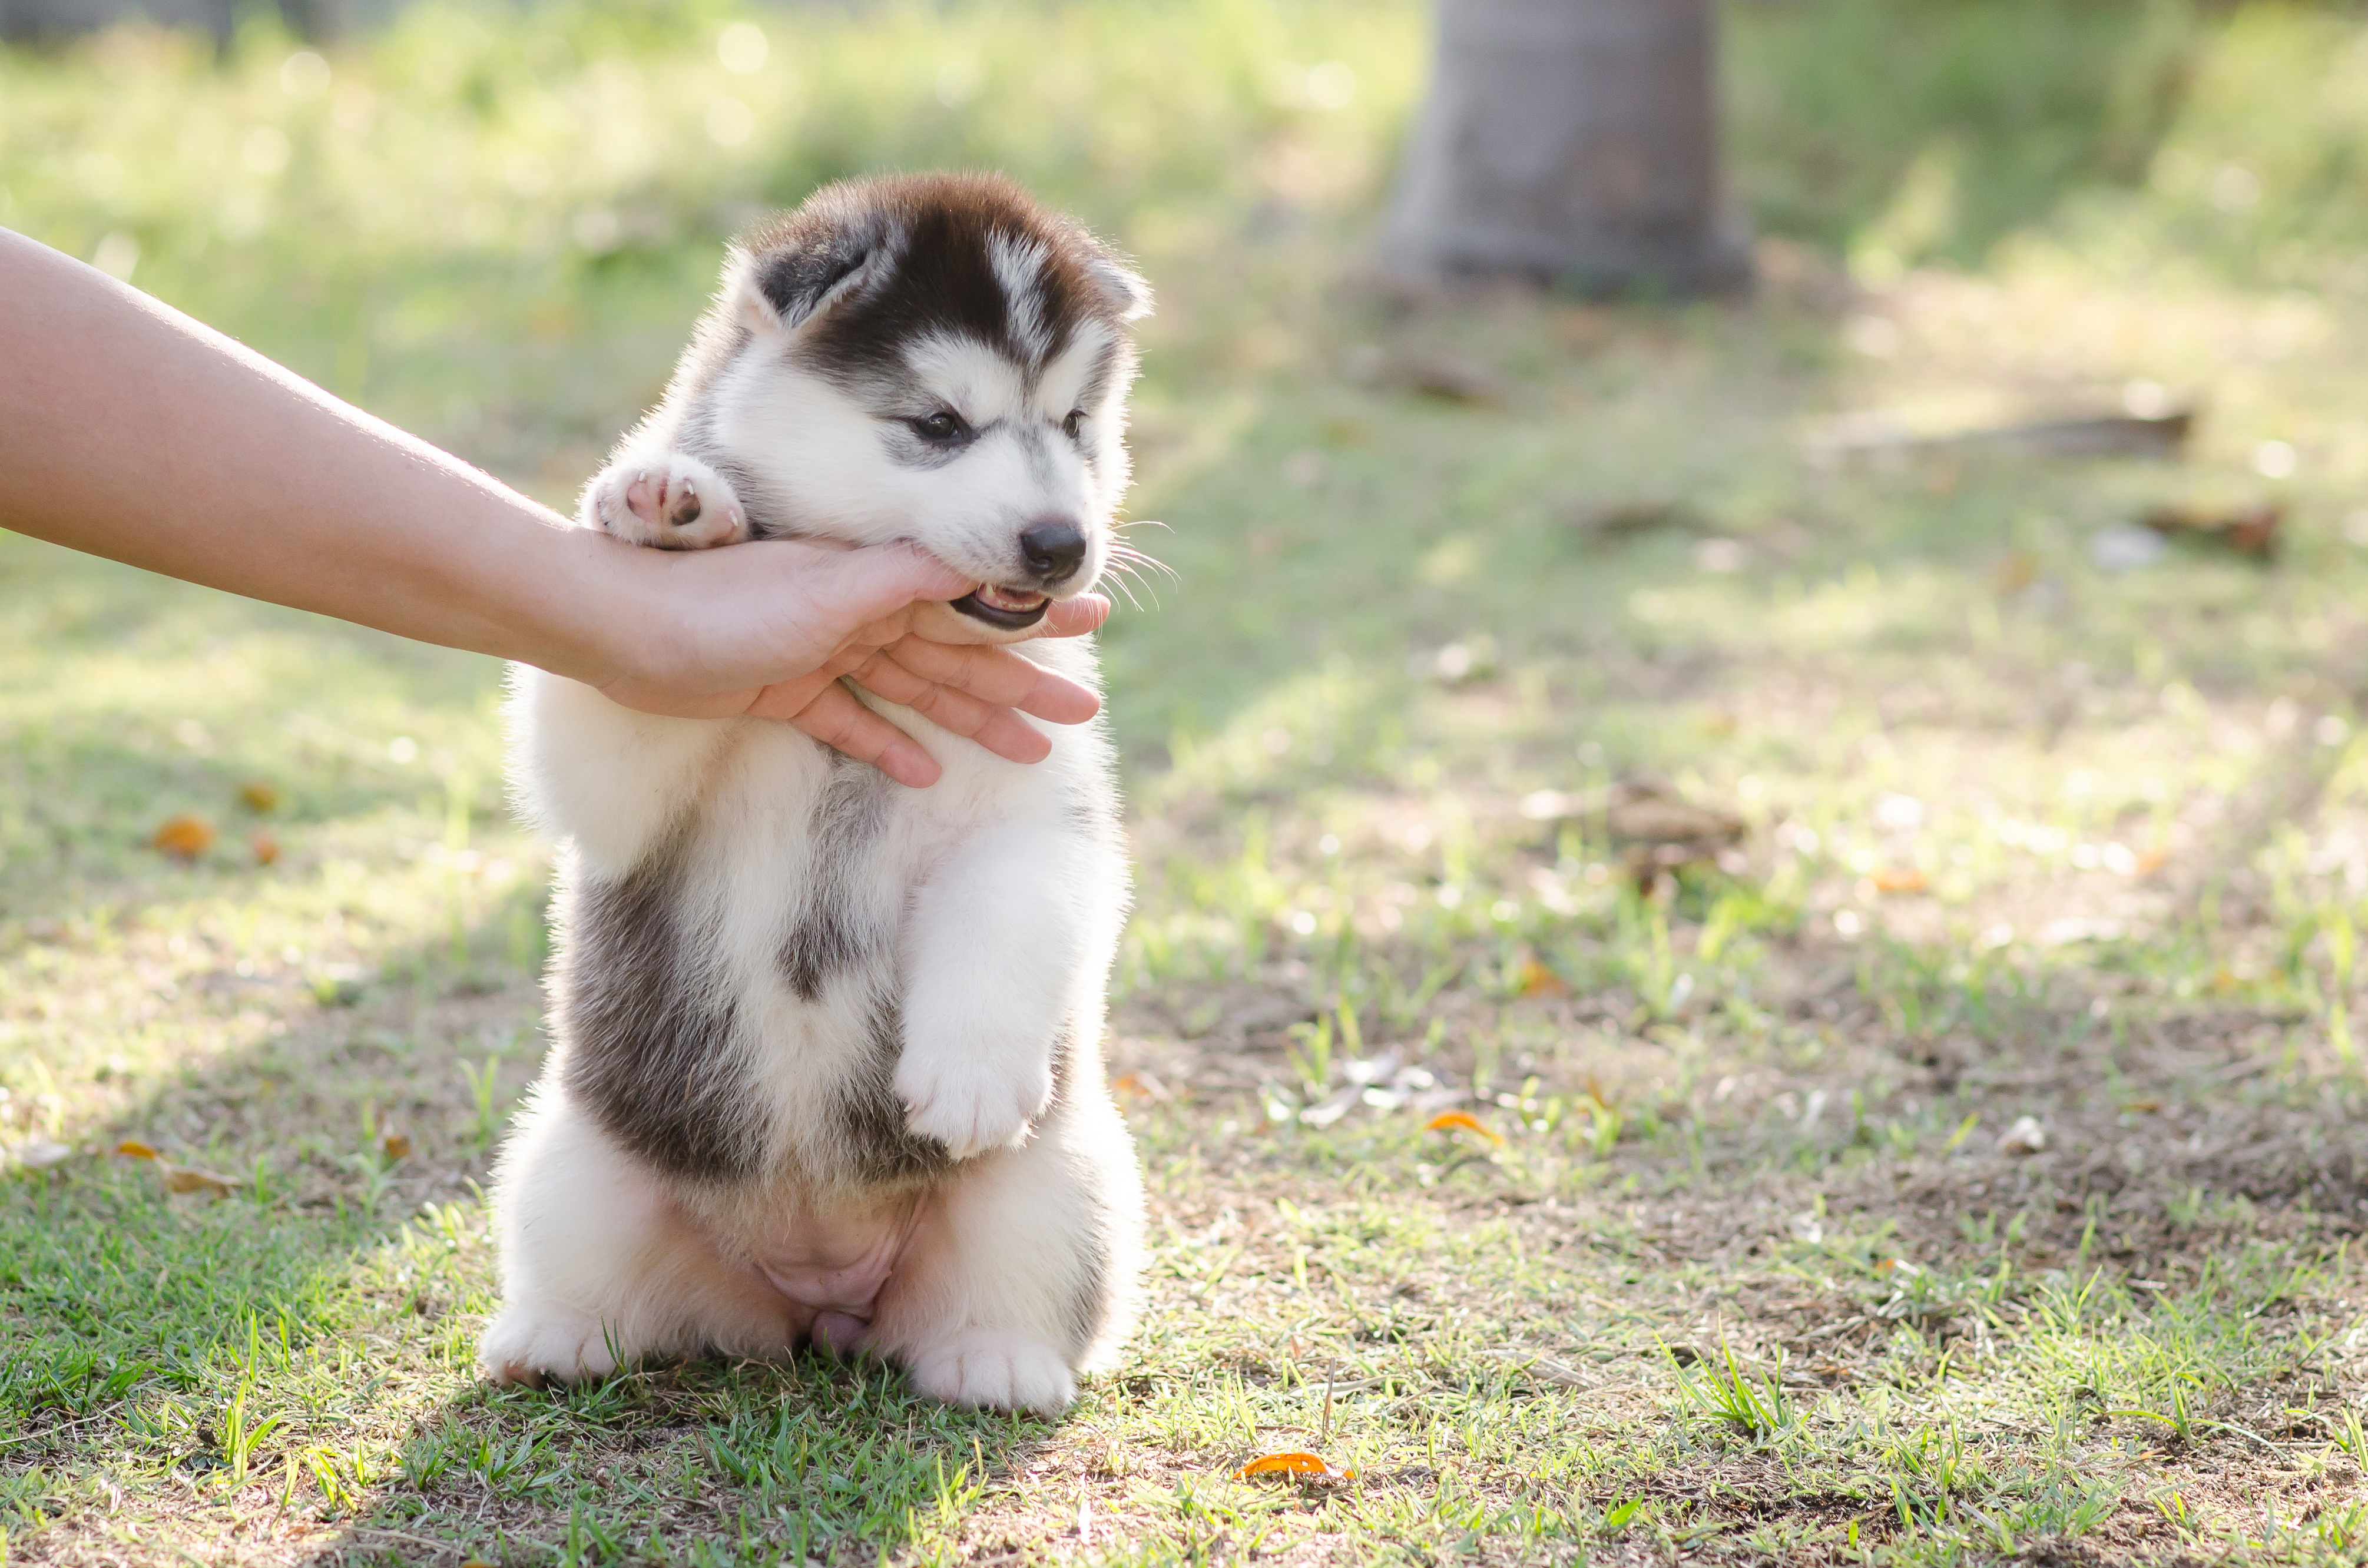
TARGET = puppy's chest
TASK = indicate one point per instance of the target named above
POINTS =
(731, 1006)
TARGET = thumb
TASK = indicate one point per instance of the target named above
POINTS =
(865, 585)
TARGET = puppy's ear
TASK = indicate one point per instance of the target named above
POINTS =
(1124, 286)
(781, 286)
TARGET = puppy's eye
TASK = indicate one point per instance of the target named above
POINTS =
(945, 424)
(1073, 423)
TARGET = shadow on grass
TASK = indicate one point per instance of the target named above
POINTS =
(752, 1462)
(308, 1340)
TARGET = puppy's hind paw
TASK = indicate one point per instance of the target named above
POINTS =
(541, 1345)
(997, 1370)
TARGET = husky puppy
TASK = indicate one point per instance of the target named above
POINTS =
(826, 1052)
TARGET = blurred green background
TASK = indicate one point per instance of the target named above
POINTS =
(2009, 796)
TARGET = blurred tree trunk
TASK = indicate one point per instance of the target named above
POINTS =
(1569, 141)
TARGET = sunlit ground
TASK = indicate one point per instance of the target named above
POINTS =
(1945, 1150)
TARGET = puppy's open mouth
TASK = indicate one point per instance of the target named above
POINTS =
(1010, 608)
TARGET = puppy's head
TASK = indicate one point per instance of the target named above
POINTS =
(938, 358)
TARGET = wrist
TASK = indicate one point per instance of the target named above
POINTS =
(589, 614)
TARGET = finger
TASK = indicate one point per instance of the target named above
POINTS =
(1075, 618)
(996, 728)
(866, 585)
(788, 698)
(999, 677)
(838, 720)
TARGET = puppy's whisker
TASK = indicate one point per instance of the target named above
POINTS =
(1117, 577)
(1131, 553)
(1125, 573)
(1130, 556)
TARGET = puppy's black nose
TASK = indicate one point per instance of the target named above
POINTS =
(1053, 551)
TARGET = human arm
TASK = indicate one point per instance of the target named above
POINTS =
(130, 431)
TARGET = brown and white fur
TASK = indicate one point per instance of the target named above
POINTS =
(826, 1052)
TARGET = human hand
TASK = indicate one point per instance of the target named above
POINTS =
(769, 628)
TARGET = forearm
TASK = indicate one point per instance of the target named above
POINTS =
(130, 431)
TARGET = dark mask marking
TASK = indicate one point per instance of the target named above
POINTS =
(650, 1030)
(880, 1147)
(829, 935)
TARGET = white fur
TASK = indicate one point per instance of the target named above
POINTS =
(1005, 889)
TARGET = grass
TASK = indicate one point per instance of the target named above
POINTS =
(1763, 1266)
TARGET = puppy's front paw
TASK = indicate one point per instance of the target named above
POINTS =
(535, 1345)
(974, 1103)
(665, 500)
(999, 1370)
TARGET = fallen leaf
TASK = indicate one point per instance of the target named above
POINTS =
(188, 1178)
(1899, 879)
(2249, 531)
(265, 847)
(136, 1149)
(1140, 1084)
(1609, 522)
(259, 796)
(2069, 435)
(2025, 1137)
(185, 836)
(1452, 377)
(397, 1145)
(1465, 1121)
(1656, 829)
(2150, 861)
(1291, 1464)
(41, 1154)
(1537, 980)
(2016, 572)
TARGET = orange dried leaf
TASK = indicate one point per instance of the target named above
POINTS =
(1290, 1464)
(185, 836)
(265, 847)
(188, 1178)
(258, 796)
(1140, 1084)
(1902, 879)
(397, 1145)
(1465, 1121)
(1537, 980)
(136, 1149)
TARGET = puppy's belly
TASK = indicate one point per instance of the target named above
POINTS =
(836, 1261)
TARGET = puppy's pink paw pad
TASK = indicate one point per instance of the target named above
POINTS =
(667, 500)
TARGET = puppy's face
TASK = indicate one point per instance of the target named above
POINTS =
(935, 361)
